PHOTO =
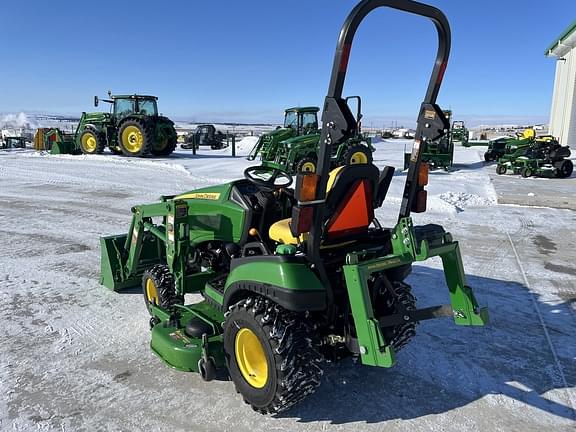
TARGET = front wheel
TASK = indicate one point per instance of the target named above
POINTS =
(500, 169)
(158, 288)
(306, 165)
(270, 355)
(92, 142)
(526, 172)
(358, 154)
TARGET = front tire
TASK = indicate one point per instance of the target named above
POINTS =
(500, 169)
(158, 288)
(270, 355)
(358, 154)
(526, 172)
(306, 165)
(92, 142)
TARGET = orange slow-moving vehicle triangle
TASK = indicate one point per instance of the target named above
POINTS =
(354, 213)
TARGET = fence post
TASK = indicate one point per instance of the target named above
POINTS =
(233, 145)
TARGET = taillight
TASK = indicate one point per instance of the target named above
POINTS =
(305, 189)
(420, 202)
(302, 218)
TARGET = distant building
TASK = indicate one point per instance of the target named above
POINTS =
(563, 115)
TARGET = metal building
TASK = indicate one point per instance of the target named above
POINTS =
(563, 115)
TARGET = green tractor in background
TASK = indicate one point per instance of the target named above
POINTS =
(132, 128)
(294, 148)
(460, 133)
(438, 153)
(293, 277)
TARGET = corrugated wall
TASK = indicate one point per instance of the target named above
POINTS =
(563, 113)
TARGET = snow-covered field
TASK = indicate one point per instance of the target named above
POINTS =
(75, 357)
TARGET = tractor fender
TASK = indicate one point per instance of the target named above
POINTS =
(286, 280)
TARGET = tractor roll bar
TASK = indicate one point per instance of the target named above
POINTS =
(338, 122)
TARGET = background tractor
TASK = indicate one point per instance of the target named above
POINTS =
(293, 277)
(438, 153)
(298, 121)
(11, 142)
(460, 133)
(133, 128)
(299, 153)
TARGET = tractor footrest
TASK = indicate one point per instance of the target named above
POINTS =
(416, 315)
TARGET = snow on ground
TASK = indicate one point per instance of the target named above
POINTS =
(74, 356)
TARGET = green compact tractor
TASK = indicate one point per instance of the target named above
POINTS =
(438, 153)
(298, 121)
(293, 277)
(299, 152)
(460, 133)
(133, 128)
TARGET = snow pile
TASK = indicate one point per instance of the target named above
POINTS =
(462, 200)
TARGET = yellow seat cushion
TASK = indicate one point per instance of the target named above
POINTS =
(280, 232)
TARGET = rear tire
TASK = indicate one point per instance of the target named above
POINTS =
(358, 154)
(92, 142)
(135, 138)
(158, 288)
(270, 355)
(394, 298)
(565, 168)
(168, 144)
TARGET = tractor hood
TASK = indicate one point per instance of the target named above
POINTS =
(302, 140)
(280, 134)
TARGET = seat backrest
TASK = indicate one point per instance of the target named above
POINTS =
(350, 201)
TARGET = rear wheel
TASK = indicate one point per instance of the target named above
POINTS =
(270, 355)
(500, 169)
(394, 298)
(306, 165)
(92, 142)
(358, 154)
(158, 288)
(135, 138)
(565, 168)
(488, 157)
(166, 143)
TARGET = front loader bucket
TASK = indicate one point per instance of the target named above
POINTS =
(112, 263)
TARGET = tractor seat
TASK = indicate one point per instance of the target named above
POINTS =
(346, 191)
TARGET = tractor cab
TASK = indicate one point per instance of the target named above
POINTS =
(134, 104)
(302, 120)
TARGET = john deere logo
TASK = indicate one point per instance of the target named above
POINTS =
(212, 196)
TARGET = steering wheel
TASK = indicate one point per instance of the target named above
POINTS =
(268, 178)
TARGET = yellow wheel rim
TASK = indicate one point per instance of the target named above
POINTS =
(151, 292)
(309, 167)
(359, 158)
(251, 358)
(89, 143)
(132, 139)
